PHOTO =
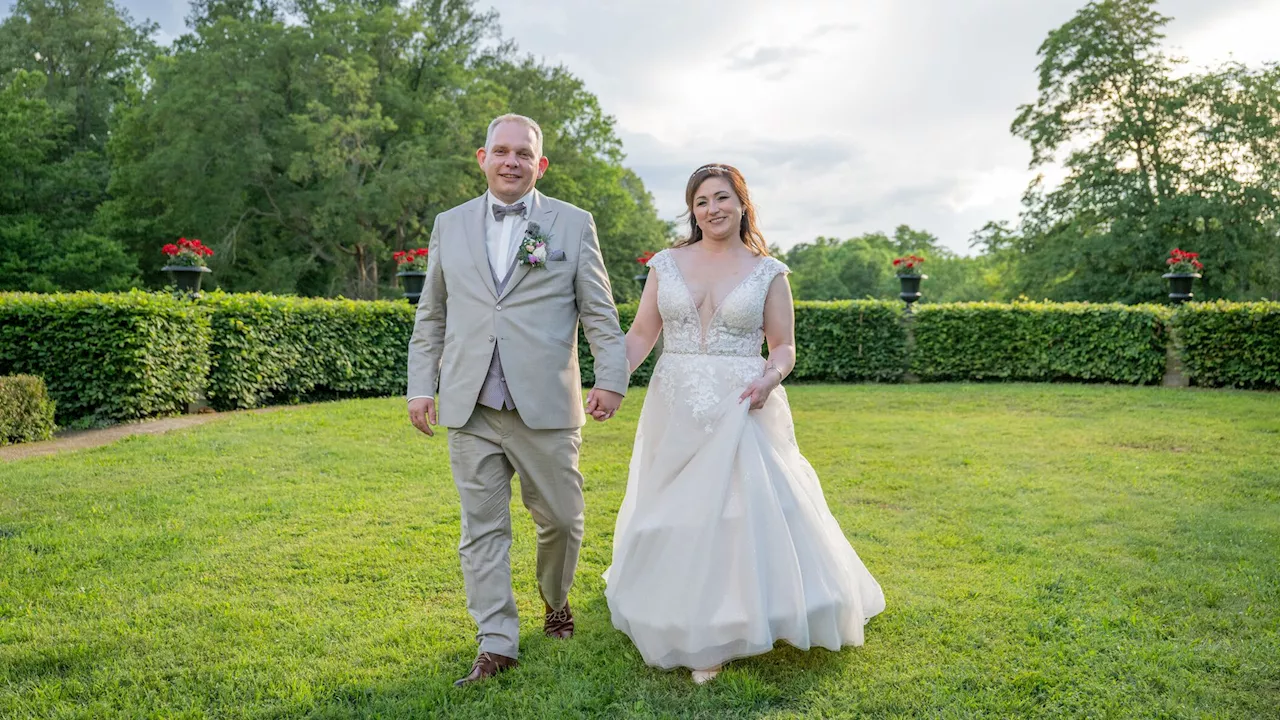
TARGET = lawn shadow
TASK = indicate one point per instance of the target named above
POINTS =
(598, 673)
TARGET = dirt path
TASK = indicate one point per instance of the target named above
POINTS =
(83, 439)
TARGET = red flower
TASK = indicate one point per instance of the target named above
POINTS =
(646, 257)
(406, 257)
(909, 262)
(169, 249)
(1180, 260)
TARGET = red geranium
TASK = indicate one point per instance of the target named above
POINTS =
(415, 259)
(909, 265)
(646, 257)
(1183, 262)
(190, 253)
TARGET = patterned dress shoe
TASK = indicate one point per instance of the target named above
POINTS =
(486, 666)
(558, 623)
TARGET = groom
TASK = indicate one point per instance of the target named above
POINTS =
(496, 335)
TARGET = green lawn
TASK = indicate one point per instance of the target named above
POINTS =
(1080, 551)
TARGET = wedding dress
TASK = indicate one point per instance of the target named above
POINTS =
(724, 543)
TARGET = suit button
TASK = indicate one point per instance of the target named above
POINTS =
(499, 307)
(490, 338)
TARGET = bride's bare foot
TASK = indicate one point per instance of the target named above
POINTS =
(704, 676)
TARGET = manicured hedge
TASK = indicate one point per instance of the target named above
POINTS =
(850, 341)
(268, 349)
(1042, 342)
(107, 357)
(110, 358)
(26, 412)
(1226, 344)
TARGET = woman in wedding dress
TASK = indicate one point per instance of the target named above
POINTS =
(724, 543)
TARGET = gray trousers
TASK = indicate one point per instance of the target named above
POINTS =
(484, 453)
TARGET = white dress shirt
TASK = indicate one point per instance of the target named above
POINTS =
(501, 237)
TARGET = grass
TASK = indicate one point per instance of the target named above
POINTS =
(1077, 551)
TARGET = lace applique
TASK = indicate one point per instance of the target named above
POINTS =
(695, 365)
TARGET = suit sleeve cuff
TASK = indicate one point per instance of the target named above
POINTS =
(612, 385)
(415, 397)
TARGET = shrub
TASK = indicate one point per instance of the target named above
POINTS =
(268, 349)
(1230, 344)
(1040, 342)
(26, 412)
(107, 357)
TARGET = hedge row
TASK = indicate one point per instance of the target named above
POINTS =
(1040, 342)
(267, 349)
(109, 358)
(26, 412)
(1225, 344)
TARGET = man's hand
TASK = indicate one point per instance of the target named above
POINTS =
(422, 413)
(602, 404)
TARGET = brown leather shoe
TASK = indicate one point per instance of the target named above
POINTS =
(486, 666)
(558, 623)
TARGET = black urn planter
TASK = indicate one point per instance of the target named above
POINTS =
(910, 288)
(1180, 285)
(413, 281)
(187, 277)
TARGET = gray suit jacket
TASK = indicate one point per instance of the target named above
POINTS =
(532, 321)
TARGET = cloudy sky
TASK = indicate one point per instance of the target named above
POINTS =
(846, 116)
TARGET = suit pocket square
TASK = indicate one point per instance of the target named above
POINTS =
(556, 255)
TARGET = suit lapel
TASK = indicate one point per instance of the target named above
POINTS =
(473, 224)
(543, 214)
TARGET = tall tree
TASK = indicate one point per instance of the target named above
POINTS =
(307, 143)
(65, 67)
(1154, 158)
(46, 196)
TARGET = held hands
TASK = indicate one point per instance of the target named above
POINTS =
(760, 388)
(602, 404)
(422, 413)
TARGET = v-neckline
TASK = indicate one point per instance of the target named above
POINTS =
(693, 303)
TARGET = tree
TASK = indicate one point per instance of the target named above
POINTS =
(1154, 160)
(65, 66)
(307, 146)
(46, 194)
(862, 267)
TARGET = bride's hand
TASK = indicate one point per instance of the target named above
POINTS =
(760, 388)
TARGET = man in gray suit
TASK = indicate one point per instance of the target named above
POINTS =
(496, 336)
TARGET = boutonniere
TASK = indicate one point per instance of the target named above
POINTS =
(533, 246)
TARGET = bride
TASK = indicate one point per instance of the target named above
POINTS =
(724, 543)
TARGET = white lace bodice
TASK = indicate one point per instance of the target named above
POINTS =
(737, 326)
(699, 370)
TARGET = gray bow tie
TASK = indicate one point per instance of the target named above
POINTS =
(501, 210)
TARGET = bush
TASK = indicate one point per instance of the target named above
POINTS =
(26, 412)
(1226, 344)
(107, 357)
(850, 341)
(268, 349)
(1040, 342)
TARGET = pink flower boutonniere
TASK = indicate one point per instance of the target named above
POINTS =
(533, 246)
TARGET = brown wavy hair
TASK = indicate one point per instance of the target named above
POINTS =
(749, 228)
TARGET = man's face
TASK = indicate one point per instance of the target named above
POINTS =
(511, 163)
